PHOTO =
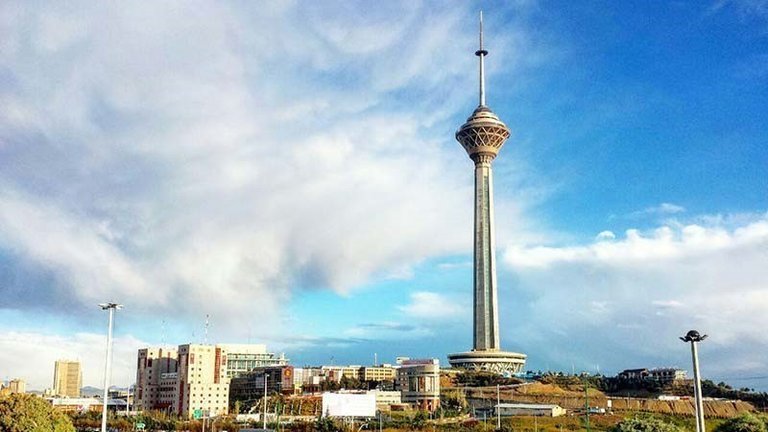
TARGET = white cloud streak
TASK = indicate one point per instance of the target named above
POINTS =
(640, 291)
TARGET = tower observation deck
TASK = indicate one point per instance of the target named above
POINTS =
(482, 136)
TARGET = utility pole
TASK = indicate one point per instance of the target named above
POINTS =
(264, 414)
(498, 408)
(586, 403)
(694, 338)
(111, 307)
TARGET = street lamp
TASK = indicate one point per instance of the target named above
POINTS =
(111, 307)
(694, 338)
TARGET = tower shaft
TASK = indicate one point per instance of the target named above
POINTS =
(486, 321)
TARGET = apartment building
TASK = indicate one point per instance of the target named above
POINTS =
(67, 378)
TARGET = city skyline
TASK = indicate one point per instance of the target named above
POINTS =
(291, 172)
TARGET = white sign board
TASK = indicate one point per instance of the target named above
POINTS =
(349, 404)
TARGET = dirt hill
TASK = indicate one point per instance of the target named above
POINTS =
(573, 399)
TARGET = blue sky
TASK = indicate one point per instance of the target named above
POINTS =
(290, 170)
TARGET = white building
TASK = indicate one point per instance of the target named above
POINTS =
(522, 409)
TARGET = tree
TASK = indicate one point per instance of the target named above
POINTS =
(644, 424)
(743, 423)
(29, 413)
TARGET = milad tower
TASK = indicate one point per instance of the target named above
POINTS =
(482, 137)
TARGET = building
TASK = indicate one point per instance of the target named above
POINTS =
(243, 358)
(667, 375)
(377, 373)
(419, 383)
(249, 386)
(335, 373)
(386, 398)
(67, 378)
(308, 379)
(14, 386)
(203, 385)
(633, 374)
(482, 136)
(523, 409)
(154, 390)
(69, 404)
(193, 379)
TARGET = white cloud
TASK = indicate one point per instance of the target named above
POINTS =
(433, 306)
(31, 356)
(662, 209)
(642, 291)
(226, 156)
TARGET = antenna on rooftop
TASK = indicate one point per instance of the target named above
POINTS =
(205, 340)
(375, 359)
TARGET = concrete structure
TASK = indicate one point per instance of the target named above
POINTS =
(195, 378)
(515, 409)
(68, 404)
(377, 373)
(67, 378)
(15, 386)
(482, 137)
(419, 383)
(667, 375)
(243, 358)
(156, 376)
(250, 385)
(203, 386)
(386, 398)
(335, 373)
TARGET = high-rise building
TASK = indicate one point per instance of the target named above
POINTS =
(67, 378)
(13, 386)
(203, 385)
(194, 379)
(482, 136)
(153, 389)
(250, 386)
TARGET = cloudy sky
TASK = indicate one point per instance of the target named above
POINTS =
(289, 169)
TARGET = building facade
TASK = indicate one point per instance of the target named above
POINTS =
(203, 385)
(154, 391)
(249, 387)
(15, 386)
(242, 358)
(377, 373)
(67, 378)
(523, 409)
(419, 383)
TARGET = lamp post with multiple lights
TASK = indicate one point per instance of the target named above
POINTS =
(111, 307)
(694, 338)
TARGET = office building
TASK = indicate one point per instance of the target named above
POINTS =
(154, 391)
(15, 386)
(67, 378)
(419, 383)
(243, 358)
(249, 386)
(377, 373)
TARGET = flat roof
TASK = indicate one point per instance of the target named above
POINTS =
(528, 406)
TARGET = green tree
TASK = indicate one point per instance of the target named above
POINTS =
(644, 424)
(29, 413)
(743, 423)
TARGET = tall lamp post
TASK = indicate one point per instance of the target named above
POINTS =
(694, 338)
(111, 307)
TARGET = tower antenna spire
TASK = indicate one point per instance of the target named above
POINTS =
(482, 53)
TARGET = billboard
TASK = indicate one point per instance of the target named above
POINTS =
(349, 404)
